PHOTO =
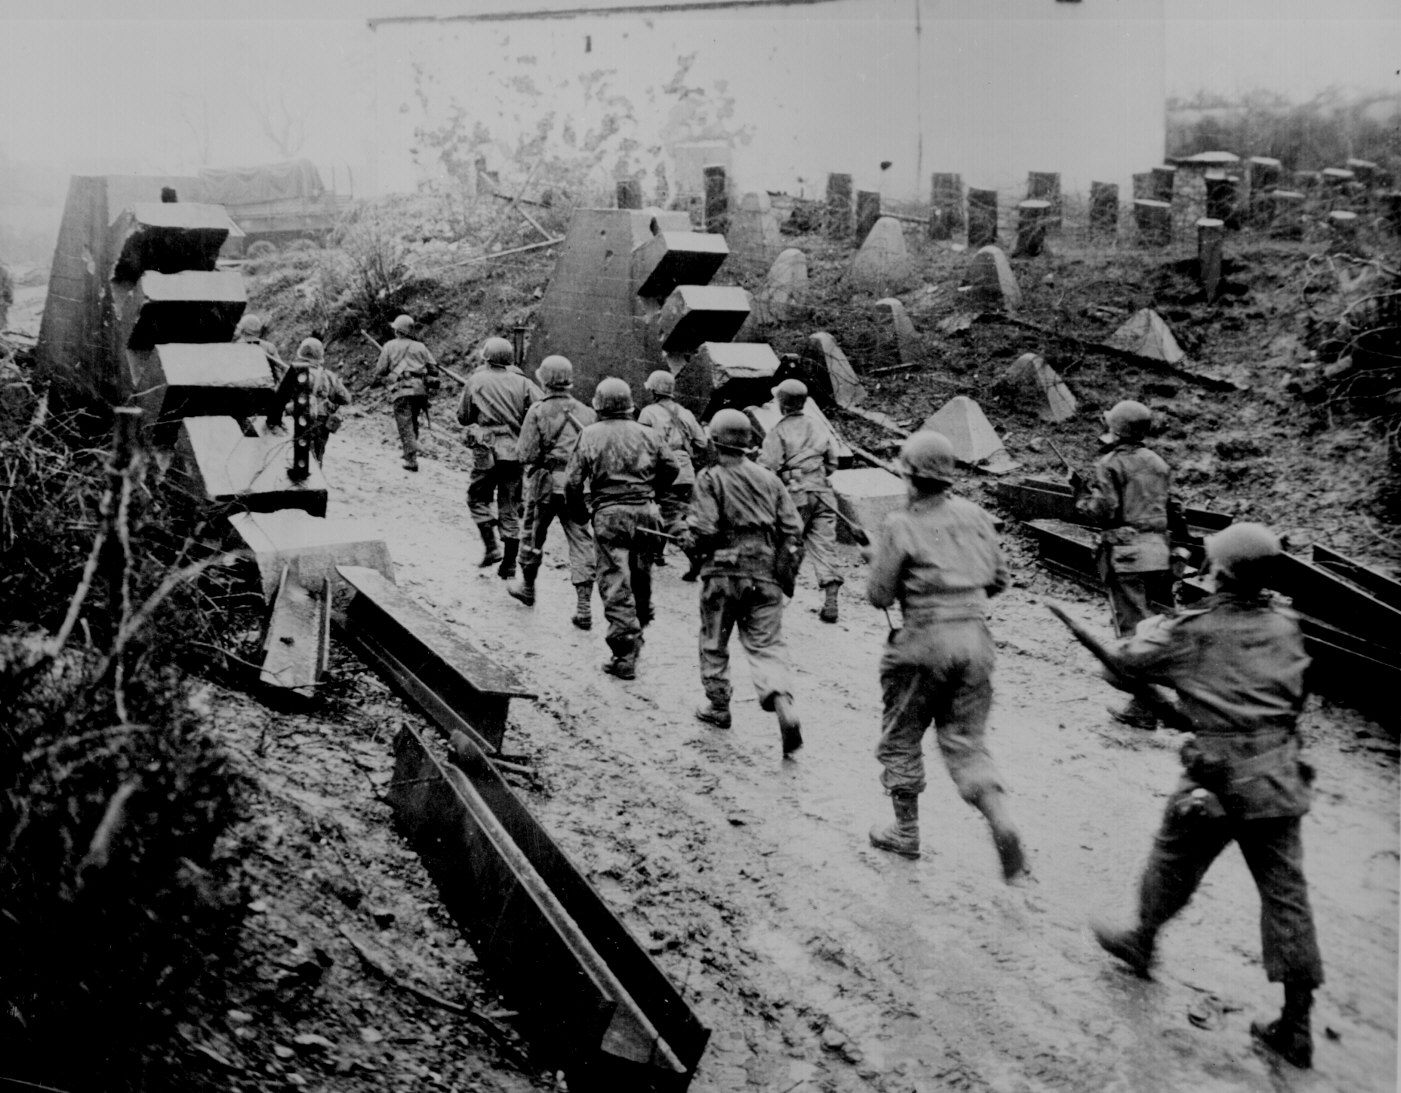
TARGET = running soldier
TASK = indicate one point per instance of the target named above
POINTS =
(414, 375)
(743, 529)
(493, 407)
(549, 435)
(683, 434)
(1237, 661)
(802, 452)
(622, 466)
(1128, 499)
(326, 392)
(939, 558)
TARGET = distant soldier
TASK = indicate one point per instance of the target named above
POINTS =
(683, 434)
(622, 466)
(413, 373)
(549, 435)
(1237, 662)
(326, 391)
(250, 329)
(743, 529)
(493, 407)
(939, 558)
(1127, 497)
(803, 452)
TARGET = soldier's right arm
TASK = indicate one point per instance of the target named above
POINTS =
(1100, 501)
(574, 478)
(1158, 650)
(530, 444)
(466, 404)
(788, 522)
(886, 565)
(384, 363)
(771, 451)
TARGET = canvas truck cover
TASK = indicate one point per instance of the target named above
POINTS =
(296, 178)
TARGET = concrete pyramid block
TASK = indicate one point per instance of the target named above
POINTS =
(991, 280)
(785, 291)
(168, 237)
(1146, 335)
(823, 349)
(903, 327)
(883, 262)
(975, 441)
(1035, 385)
(735, 361)
(186, 379)
(248, 472)
(865, 496)
(694, 314)
(672, 258)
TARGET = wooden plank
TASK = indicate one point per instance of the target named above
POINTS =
(1387, 589)
(594, 999)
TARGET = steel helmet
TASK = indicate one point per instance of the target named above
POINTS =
(613, 397)
(928, 455)
(555, 373)
(402, 324)
(791, 394)
(250, 326)
(311, 349)
(1127, 420)
(730, 429)
(498, 352)
(661, 382)
(1243, 553)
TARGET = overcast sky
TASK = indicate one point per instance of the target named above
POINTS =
(164, 81)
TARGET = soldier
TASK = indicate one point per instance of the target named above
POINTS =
(742, 529)
(683, 434)
(548, 438)
(1237, 662)
(802, 452)
(414, 372)
(938, 557)
(1127, 498)
(623, 466)
(250, 329)
(326, 391)
(493, 407)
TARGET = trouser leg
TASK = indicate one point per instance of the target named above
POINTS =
(481, 492)
(406, 421)
(1128, 601)
(507, 481)
(1274, 853)
(534, 525)
(675, 503)
(716, 623)
(906, 693)
(761, 634)
(613, 544)
(1183, 850)
(820, 537)
(581, 547)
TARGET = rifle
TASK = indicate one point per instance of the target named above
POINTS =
(1165, 711)
(1075, 476)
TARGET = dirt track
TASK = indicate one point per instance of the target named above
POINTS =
(823, 964)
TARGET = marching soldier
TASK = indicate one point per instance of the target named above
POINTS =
(939, 558)
(622, 466)
(1237, 662)
(744, 530)
(1127, 497)
(683, 434)
(327, 394)
(803, 453)
(548, 438)
(493, 407)
(410, 366)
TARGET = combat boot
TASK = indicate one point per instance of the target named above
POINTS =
(623, 666)
(583, 618)
(493, 549)
(901, 837)
(1135, 715)
(712, 713)
(410, 463)
(829, 606)
(507, 569)
(1133, 946)
(992, 803)
(524, 589)
(788, 724)
(1290, 1035)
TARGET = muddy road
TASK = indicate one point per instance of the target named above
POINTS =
(822, 964)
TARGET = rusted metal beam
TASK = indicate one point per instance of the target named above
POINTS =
(595, 1002)
(454, 683)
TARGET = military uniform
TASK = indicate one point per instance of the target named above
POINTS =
(493, 407)
(1127, 498)
(738, 515)
(276, 365)
(622, 465)
(803, 452)
(941, 560)
(1237, 662)
(410, 367)
(547, 440)
(327, 393)
(683, 434)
